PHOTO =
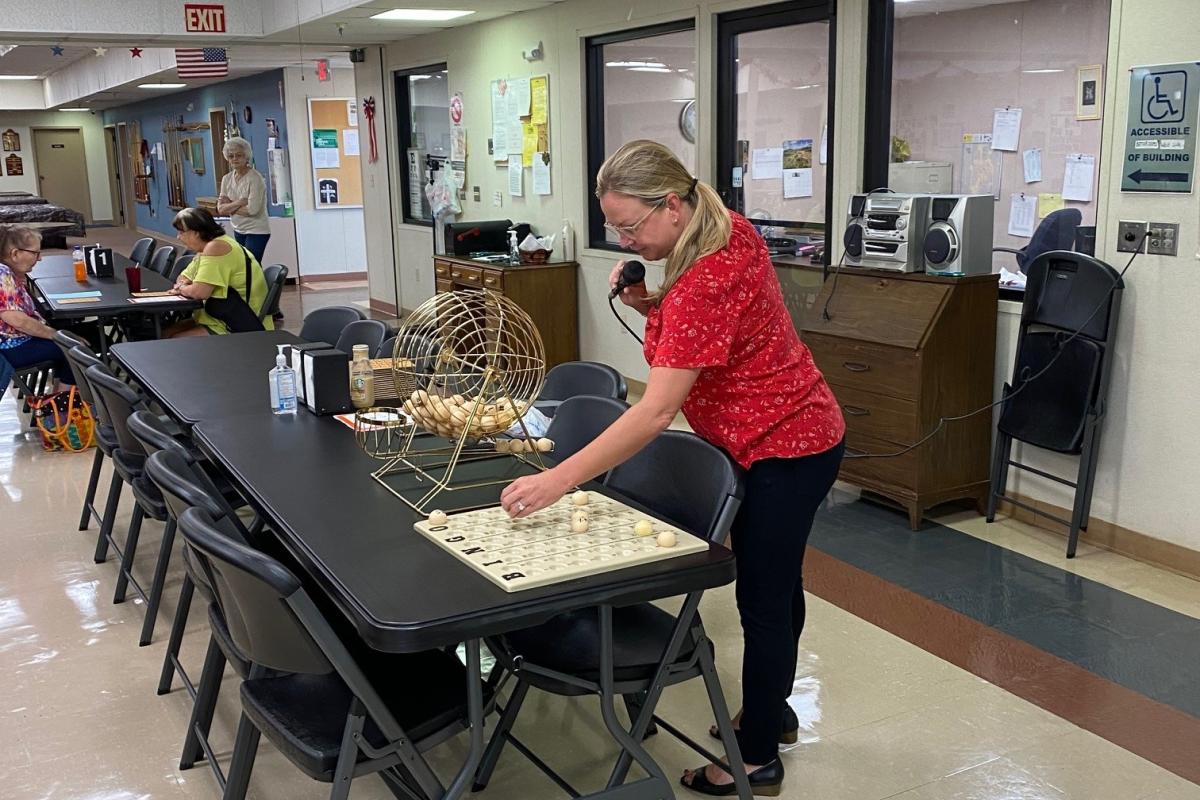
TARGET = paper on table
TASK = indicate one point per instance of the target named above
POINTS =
(541, 175)
(797, 183)
(69, 295)
(1049, 203)
(1033, 164)
(350, 141)
(766, 163)
(169, 299)
(516, 177)
(70, 301)
(539, 99)
(1022, 215)
(1077, 179)
(1006, 129)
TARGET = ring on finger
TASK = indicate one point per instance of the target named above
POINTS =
(520, 506)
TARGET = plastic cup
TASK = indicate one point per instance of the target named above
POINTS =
(133, 277)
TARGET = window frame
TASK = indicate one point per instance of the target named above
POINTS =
(404, 131)
(728, 27)
(594, 121)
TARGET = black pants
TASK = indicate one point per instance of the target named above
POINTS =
(769, 536)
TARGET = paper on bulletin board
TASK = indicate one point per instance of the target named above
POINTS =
(1078, 177)
(516, 178)
(499, 120)
(541, 174)
(280, 177)
(1049, 203)
(325, 158)
(350, 141)
(518, 97)
(766, 163)
(352, 112)
(539, 99)
(529, 141)
(1022, 215)
(1006, 129)
(1033, 164)
(515, 136)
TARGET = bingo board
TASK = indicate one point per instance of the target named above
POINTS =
(542, 549)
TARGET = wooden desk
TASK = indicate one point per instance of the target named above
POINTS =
(547, 292)
(900, 352)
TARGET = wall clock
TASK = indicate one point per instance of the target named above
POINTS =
(687, 121)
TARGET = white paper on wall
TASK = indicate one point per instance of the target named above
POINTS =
(1006, 129)
(516, 177)
(766, 163)
(1079, 177)
(1033, 164)
(1022, 215)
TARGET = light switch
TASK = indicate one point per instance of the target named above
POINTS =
(1164, 239)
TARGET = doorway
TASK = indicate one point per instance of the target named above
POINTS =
(217, 129)
(115, 193)
(125, 173)
(62, 168)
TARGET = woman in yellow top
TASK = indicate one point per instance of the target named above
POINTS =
(219, 266)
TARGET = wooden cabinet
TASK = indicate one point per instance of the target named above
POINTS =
(901, 351)
(547, 292)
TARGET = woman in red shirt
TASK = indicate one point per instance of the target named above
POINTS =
(721, 347)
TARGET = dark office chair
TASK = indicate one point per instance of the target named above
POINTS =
(1055, 232)
(581, 419)
(343, 711)
(162, 260)
(579, 377)
(386, 348)
(181, 263)
(129, 459)
(276, 276)
(326, 324)
(142, 250)
(562, 656)
(1069, 346)
(370, 332)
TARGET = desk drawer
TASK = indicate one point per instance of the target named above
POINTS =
(493, 279)
(898, 475)
(875, 368)
(467, 277)
(441, 269)
(882, 416)
(443, 285)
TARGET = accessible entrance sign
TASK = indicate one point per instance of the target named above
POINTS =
(1160, 137)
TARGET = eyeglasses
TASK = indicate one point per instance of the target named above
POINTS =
(37, 253)
(630, 231)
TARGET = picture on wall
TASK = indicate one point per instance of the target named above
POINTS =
(1089, 91)
(12, 140)
(14, 166)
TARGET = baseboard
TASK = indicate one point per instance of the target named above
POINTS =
(333, 276)
(1109, 536)
(384, 307)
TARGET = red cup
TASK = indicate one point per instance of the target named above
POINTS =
(133, 277)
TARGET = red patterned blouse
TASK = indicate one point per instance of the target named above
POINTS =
(759, 394)
(14, 296)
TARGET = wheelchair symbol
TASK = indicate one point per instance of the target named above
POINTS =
(1164, 96)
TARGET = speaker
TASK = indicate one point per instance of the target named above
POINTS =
(958, 240)
(358, 55)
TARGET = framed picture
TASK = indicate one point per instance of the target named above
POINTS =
(1089, 92)
(197, 155)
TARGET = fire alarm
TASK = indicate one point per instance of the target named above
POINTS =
(322, 69)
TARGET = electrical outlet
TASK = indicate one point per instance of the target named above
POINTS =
(475, 193)
(1131, 236)
(1163, 239)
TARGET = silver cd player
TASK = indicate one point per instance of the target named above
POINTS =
(887, 231)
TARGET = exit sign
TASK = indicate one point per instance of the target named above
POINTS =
(202, 18)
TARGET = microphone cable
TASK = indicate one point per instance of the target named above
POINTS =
(1026, 378)
(621, 320)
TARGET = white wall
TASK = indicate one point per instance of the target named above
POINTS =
(93, 149)
(16, 95)
(370, 80)
(1150, 456)
(480, 53)
(331, 240)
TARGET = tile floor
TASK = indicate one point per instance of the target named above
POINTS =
(880, 717)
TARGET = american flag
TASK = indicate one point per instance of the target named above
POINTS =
(201, 62)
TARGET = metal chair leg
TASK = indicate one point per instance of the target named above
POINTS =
(491, 755)
(245, 748)
(110, 515)
(716, 698)
(160, 578)
(131, 542)
(999, 481)
(178, 625)
(1083, 484)
(343, 773)
(205, 705)
(89, 498)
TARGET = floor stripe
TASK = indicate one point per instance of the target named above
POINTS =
(1157, 732)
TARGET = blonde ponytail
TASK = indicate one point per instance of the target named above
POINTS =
(649, 171)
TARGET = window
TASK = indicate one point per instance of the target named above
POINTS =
(951, 70)
(641, 85)
(422, 108)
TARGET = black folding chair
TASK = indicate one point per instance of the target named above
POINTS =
(342, 710)
(579, 420)
(105, 436)
(370, 332)
(579, 377)
(326, 324)
(567, 655)
(276, 276)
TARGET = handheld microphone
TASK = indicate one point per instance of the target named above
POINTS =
(633, 273)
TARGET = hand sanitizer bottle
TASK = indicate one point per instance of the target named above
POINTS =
(283, 386)
(514, 252)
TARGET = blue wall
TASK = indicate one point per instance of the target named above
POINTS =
(264, 95)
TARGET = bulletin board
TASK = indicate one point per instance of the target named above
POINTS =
(334, 152)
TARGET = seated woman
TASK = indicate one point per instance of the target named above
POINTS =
(25, 338)
(219, 269)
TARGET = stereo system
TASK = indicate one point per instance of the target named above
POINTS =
(938, 234)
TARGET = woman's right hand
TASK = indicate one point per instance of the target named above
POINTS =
(632, 296)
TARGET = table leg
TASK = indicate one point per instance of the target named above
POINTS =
(157, 326)
(462, 781)
(103, 340)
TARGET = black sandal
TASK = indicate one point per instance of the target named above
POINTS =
(766, 781)
(791, 727)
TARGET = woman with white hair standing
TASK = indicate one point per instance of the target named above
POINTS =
(243, 198)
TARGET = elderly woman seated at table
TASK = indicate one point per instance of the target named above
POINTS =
(25, 338)
(218, 276)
